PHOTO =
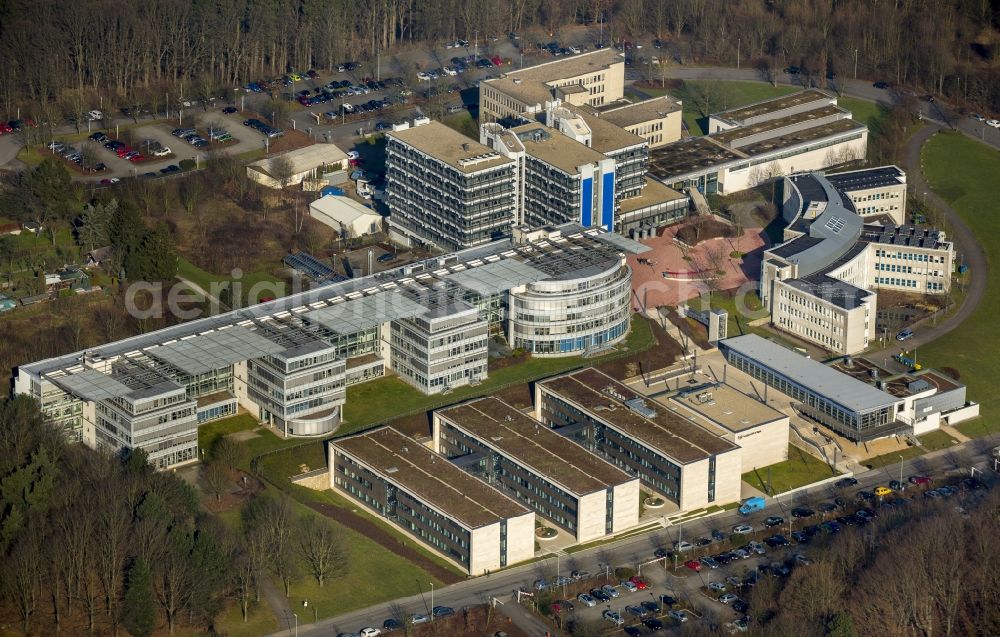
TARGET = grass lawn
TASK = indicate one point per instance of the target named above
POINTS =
(463, 123)
(209, 433)
(205, 279)
(726, 95)
(964, 173)
(260, 621)
(800, 469)
(386, 398)
(932, 441)
(861, 110)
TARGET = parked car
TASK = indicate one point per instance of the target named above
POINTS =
(586, 600)
(613, 617)
(728, 598)
(717, 535)
(652, 624)
(370, 632)
(418, 619)
(639, 582)
(683, 546)
(777, 540)
(993, 122)
(774, 520)
(717, 586)
(600, 595)
(651, 606)
(802, 512)
(679, 615)
(636, 611)
(843, 483)
(920, 480)
(610, 590)
(392, 624)
(629, 586)
(694, 565)
(904, 334)
(742, 529)
(441, 611)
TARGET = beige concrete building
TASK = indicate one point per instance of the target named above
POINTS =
(821, 283)
(760, 430)
(875, 192)
(656, 120)
(591, 79)
(463, 519)
(689, 465)
(305, 163)
(753, 144)
(570, 487)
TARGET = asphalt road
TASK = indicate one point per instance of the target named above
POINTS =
(639, 549)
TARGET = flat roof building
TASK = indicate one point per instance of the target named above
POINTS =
(657, 120)
(758, 142)
(688, 464)
(445, 190)
(577, 491)
(760, 430)
(304, 163)
(460, 517)
(821, 284)
(288, 361)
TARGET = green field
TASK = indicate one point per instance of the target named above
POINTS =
(964, 173)
(862, 110)
(724, 95)
(800, 469)
(385, 398)
(193, 273)
(933, 441)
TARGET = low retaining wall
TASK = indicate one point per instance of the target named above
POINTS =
(318, 479)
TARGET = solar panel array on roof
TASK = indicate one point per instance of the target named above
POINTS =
(309, 265)
(492, 278)
(209, 351)
(366, 312)
(90, 384)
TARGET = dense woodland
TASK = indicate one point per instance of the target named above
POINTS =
(94, 543)
(138, 50)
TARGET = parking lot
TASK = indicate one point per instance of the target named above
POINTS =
(709, 574)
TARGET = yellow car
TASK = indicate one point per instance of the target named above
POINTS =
(883, 491)
(295, 77)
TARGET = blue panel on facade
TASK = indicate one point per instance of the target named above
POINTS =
(608, 201)
(587, 202)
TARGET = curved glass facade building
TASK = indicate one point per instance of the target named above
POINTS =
(562, 316)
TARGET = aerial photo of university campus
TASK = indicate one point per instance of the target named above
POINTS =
(499, 319)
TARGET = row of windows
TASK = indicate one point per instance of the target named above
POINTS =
(904, 283)
(910, 256)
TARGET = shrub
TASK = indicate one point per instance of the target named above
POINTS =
(186, 164)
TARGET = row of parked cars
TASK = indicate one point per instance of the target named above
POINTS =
(73, 154)
(266, 129)
(191, 136)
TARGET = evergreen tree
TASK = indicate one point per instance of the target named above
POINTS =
(139, 609)
(154, 259)
(841, 626)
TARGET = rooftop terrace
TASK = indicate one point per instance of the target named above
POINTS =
(665, 431)
(532, 444)
(689, 155)
(742, 132)
(429, 477)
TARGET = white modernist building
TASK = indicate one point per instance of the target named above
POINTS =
(822, 283)
(303, 163)
(556, 292)
(855, 398)
(753, 144)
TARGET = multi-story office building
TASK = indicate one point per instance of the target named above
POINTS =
(444, 348)
(458, 516)
(821, 284)
(691, 466)
(875, 192)
(591, 79)
(288, 361)
(656, 120)
(445, 190)
(759, 142)
(561, 180)
(572, 313)
(567, 485)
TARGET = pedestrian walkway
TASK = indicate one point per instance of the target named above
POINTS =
(523, 619)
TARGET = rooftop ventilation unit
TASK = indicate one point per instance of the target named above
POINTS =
(392, 470)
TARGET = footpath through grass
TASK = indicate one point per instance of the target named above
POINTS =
(800, 469)
(964, 173)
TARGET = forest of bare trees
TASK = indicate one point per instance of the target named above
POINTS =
(139, 51)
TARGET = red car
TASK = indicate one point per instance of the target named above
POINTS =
(920, 480)
(123, 150)
(639, 582)
(496, 60)
(137, 157)
(694, 565)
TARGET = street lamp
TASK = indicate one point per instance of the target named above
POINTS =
(900, 470)
(432, 601)
(855, 64)
(296, 624)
